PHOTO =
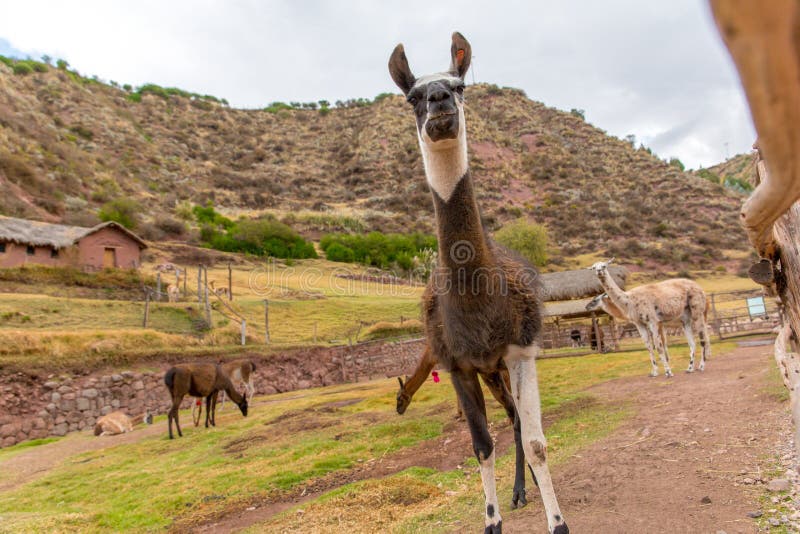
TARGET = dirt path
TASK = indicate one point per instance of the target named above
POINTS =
(676, 465)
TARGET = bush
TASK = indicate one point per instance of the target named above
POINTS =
(261, 237)
(526, 238)
(171, 226)
(384, 251)
(341, 253)
(124, 211)
(208, 215)
(22, 68)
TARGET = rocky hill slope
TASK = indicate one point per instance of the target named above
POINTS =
(68, 144)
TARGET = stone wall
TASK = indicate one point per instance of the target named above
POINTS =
(34, 407)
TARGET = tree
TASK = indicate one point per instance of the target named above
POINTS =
(124, 211)
(526, 238)
(675, 162)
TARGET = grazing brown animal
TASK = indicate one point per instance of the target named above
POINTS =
(199, 380)
(118, 423)
(240, 372)
(481, 307)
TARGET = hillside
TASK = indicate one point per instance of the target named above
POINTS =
(69, 144)
(740, 169)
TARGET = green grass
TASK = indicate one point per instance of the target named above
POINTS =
(293, 439)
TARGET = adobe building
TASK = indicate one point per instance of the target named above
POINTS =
(107, 245)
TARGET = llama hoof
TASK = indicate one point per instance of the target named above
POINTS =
(653, 375)
(668, 374)
(690, 370)
(561, 529)
(494, 529)
(519, 500)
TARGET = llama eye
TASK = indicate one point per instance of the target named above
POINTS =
(460, 89)
(412, 101)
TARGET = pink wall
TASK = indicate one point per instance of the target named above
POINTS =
(89, 252)
(91, 247)
(16, 255)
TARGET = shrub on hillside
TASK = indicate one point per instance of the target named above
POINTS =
(171, 226)
(207, 215)
(261, 237)
(124, 211)
(526, 238)
(384, 251)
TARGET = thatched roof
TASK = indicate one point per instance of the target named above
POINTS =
(44, 234)
(577, 284)
(569, 309)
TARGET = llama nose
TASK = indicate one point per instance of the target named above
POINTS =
(438, 95)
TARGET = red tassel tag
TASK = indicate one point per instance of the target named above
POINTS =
(435, 377)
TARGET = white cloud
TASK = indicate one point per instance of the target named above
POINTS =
(653, 69)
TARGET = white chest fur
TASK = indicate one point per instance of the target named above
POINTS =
(445, 161)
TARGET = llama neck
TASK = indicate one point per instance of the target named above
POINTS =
(421, 373)
(612, 309)
(617, 296)
(232, 393)
(462, 242)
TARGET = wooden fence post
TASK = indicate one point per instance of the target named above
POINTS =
(266, 321)
(185, 276)
(158, 286)
(244, 332)
(714, 314)
(146, 309)
(230, 282)
(208, 304)
(315, 332)
(199, 284)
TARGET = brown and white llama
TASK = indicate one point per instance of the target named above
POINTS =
(481, 308)
(240, 372)
(650, 305)
(199, 380)
(115, 423)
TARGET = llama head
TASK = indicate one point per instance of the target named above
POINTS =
(403, 398)
(596, 302)
(438, 104)
(601, 267)
(243, 405)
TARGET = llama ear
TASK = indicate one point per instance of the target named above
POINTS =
(401, 382)
(460, 55)
(399, 70)
(609, 261)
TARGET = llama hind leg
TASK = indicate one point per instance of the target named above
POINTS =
(687, 329)
(705, 342)
(471, 396)
(521, 364)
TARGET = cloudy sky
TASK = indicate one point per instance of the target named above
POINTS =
(650, 68)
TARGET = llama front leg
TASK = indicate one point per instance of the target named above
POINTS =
(661, 347)
(496, 384)
(471, 397)
(521, 364)
(648, 342)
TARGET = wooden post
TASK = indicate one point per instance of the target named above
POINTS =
(199, 284)
(185, 276)
(598, 339)
(714, 314)
(266, 321)
(230, 282)
(205, 292)
(244, 332)
(315, 332)
(158, 286)
(146, 309)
